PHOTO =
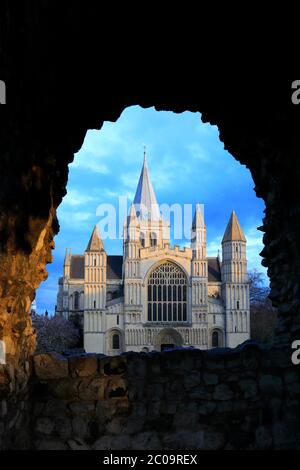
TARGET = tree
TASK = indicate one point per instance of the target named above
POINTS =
(258, 292)
(263, 316)
(54, 333)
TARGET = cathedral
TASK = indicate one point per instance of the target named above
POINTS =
(157, 296)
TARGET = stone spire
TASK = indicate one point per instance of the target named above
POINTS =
(233, 230)
(198, 220)
(95, 243)
(145, 200)
(198, 243)
(68, 256)
(132, 213)
(67, 263)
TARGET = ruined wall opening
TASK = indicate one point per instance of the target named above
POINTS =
(188, 165)
(99, 388)
(36, 147)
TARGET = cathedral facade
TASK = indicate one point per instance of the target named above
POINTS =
(157, 296)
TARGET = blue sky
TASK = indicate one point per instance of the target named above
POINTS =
(187, 163)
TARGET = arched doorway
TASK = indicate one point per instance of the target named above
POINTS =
(168, 338)
(216, 338)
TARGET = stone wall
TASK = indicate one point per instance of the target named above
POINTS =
(183, 399)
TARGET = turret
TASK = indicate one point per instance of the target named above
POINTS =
(234, 263)
(235, 285)
(95, 273)
(199, 261)
(198, 244)
(132, 245)
(132, 228)
(67, 263)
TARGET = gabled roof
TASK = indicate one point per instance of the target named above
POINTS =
(95, 243)
(77, 267)
(145, 200)
(233, 230)
(115, 262)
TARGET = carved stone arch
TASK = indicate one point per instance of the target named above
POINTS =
(162, 261)
(216, 338)
(168, 336)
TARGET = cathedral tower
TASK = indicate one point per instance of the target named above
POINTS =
(132, 246)
(199, 266)
(94, 285)
(235, 284)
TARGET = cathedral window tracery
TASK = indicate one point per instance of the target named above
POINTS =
(167, 294)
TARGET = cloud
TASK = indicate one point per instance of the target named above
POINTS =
(254, 247)
(73, 219)
(76, 198)
(90, 161)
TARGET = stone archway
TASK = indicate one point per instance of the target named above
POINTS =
(168, 337)
(53, 101)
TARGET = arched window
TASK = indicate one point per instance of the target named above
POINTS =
(215, 339)
(142, 239)
(167, 294)
(76, 300)
(153, 239)
(116, 341)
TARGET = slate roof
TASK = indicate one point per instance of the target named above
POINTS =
(214, 269)
(114, 267)
(77, 267)
(95, 243)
